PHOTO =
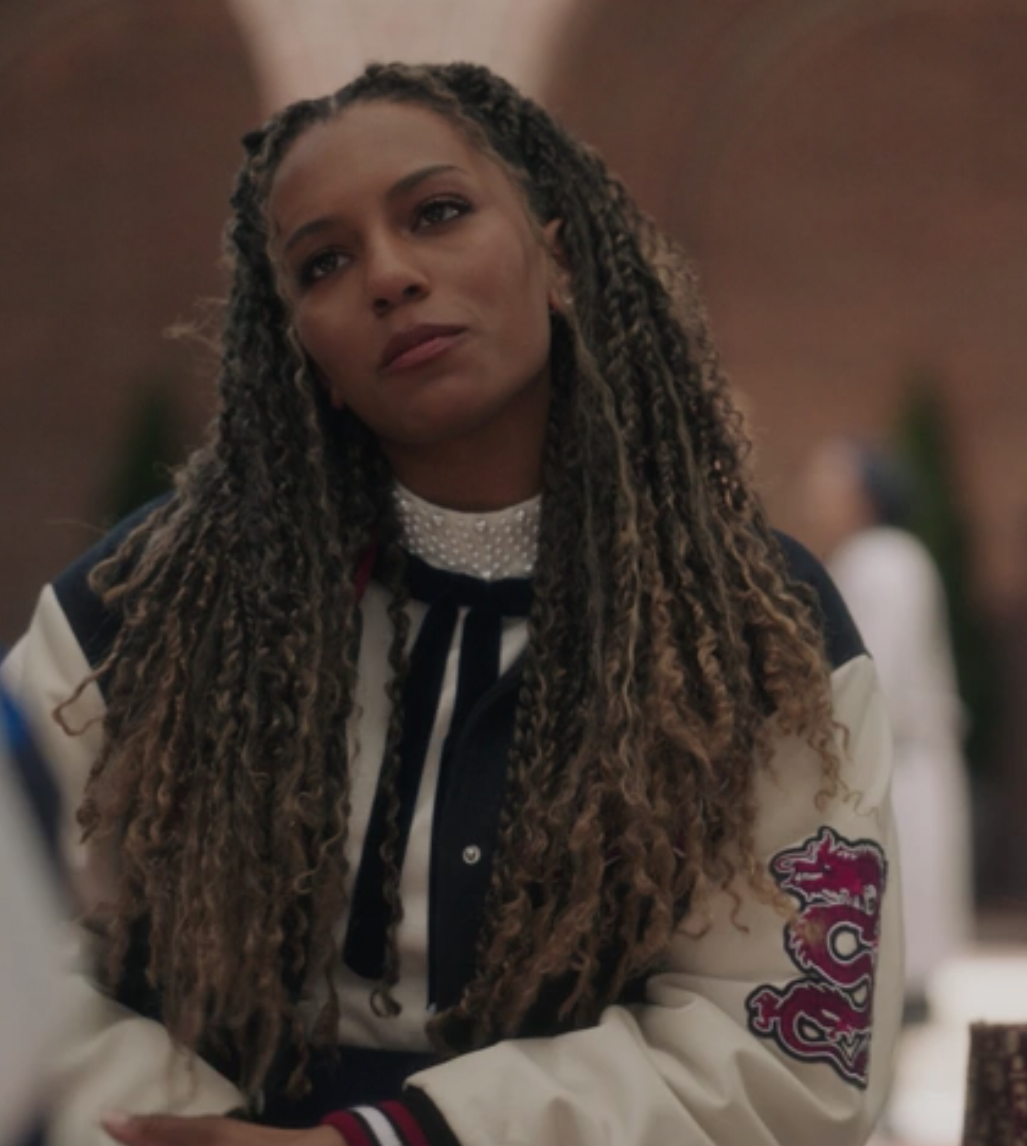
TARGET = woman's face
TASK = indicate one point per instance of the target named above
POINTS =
(833, 502)
(418, 286)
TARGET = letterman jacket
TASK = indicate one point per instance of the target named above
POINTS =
(762, 1029)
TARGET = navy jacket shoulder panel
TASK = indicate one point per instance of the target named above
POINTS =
(94, 626)
(841, 637)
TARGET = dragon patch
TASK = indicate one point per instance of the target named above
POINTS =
(827, 1014)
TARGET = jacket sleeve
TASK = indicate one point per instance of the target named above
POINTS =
(767, 1030)
(107, 1057)
(30, 895)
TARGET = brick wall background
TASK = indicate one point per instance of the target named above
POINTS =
(119, 131)
(851, 178)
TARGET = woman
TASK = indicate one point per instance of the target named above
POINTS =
(469, 747)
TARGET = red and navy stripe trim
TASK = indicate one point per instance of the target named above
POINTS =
(414, 1122)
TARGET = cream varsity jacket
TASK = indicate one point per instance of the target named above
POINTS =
(760, 1031)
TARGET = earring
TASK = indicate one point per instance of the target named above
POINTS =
(561, 305)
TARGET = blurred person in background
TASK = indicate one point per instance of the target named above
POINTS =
(858, 502)
(457, 747)
(30, 909)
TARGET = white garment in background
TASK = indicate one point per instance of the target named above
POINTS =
(30, 969)
(893, 589)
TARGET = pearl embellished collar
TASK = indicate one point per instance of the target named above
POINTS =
(491, 546)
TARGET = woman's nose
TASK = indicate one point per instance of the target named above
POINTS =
(394, 277)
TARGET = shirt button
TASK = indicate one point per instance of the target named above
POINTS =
(472, 854)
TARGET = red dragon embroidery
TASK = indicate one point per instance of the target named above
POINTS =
(826, 1015)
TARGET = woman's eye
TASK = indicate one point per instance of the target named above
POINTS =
(437, 211)
(320, 266)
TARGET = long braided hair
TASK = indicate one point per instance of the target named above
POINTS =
(667, 648)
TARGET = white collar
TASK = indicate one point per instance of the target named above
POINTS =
(490, 546)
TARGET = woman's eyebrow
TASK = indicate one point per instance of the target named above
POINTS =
(409, 182)
(400, 187)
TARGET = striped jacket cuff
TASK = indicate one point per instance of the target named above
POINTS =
(415, 1121)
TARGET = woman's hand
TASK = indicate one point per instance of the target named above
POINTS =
(171, 1130)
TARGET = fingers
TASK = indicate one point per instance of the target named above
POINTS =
(169, 1130)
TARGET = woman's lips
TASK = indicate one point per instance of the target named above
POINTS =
(418, 346)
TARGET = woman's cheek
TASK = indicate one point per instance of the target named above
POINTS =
(315, 336)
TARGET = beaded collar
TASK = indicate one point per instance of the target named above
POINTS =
(490, 546)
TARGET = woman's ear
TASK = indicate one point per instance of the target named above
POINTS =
(560, 298)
